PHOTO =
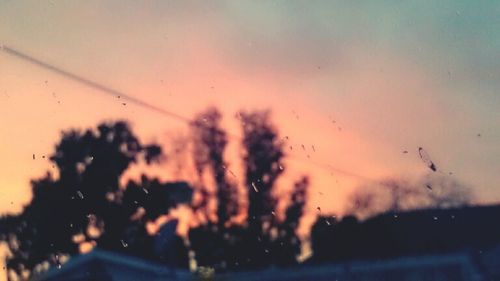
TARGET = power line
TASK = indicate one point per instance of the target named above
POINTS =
(82, 80)
(116, 93)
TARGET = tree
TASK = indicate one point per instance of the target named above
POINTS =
(85, 202)
(286, 243)
(397, 194)
(262, 240)
(401, 217)
(210, 143)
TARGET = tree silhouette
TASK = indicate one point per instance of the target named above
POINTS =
(262, 240)
(407, 233)
(287, 244)
(84, 205)
(210, 143)
(85, 202)
(398, 194)
(427, 215)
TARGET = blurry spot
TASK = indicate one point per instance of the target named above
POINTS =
(405, 151)
(429, 186)
(254, 187)
(314, 149)
(478, 135)
(33, 156)
(124, 244)
(80, 194)
(88, 160)
(58, 263)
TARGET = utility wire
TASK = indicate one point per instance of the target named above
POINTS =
(116, 93)
(90, 83)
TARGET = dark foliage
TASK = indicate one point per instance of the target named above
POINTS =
(85, 202)
(263, 240)
(431, 231)
(210, 143)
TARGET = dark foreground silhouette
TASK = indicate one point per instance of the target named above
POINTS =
(83, 203)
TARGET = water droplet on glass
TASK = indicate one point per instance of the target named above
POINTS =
(58, 263)
(88, 160)
(80, 194)
(254, 187)
(426, 159)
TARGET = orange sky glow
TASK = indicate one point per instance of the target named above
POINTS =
(359, 91)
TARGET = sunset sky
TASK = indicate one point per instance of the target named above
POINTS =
(394, 76)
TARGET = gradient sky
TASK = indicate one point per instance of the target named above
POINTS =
(394, 75)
